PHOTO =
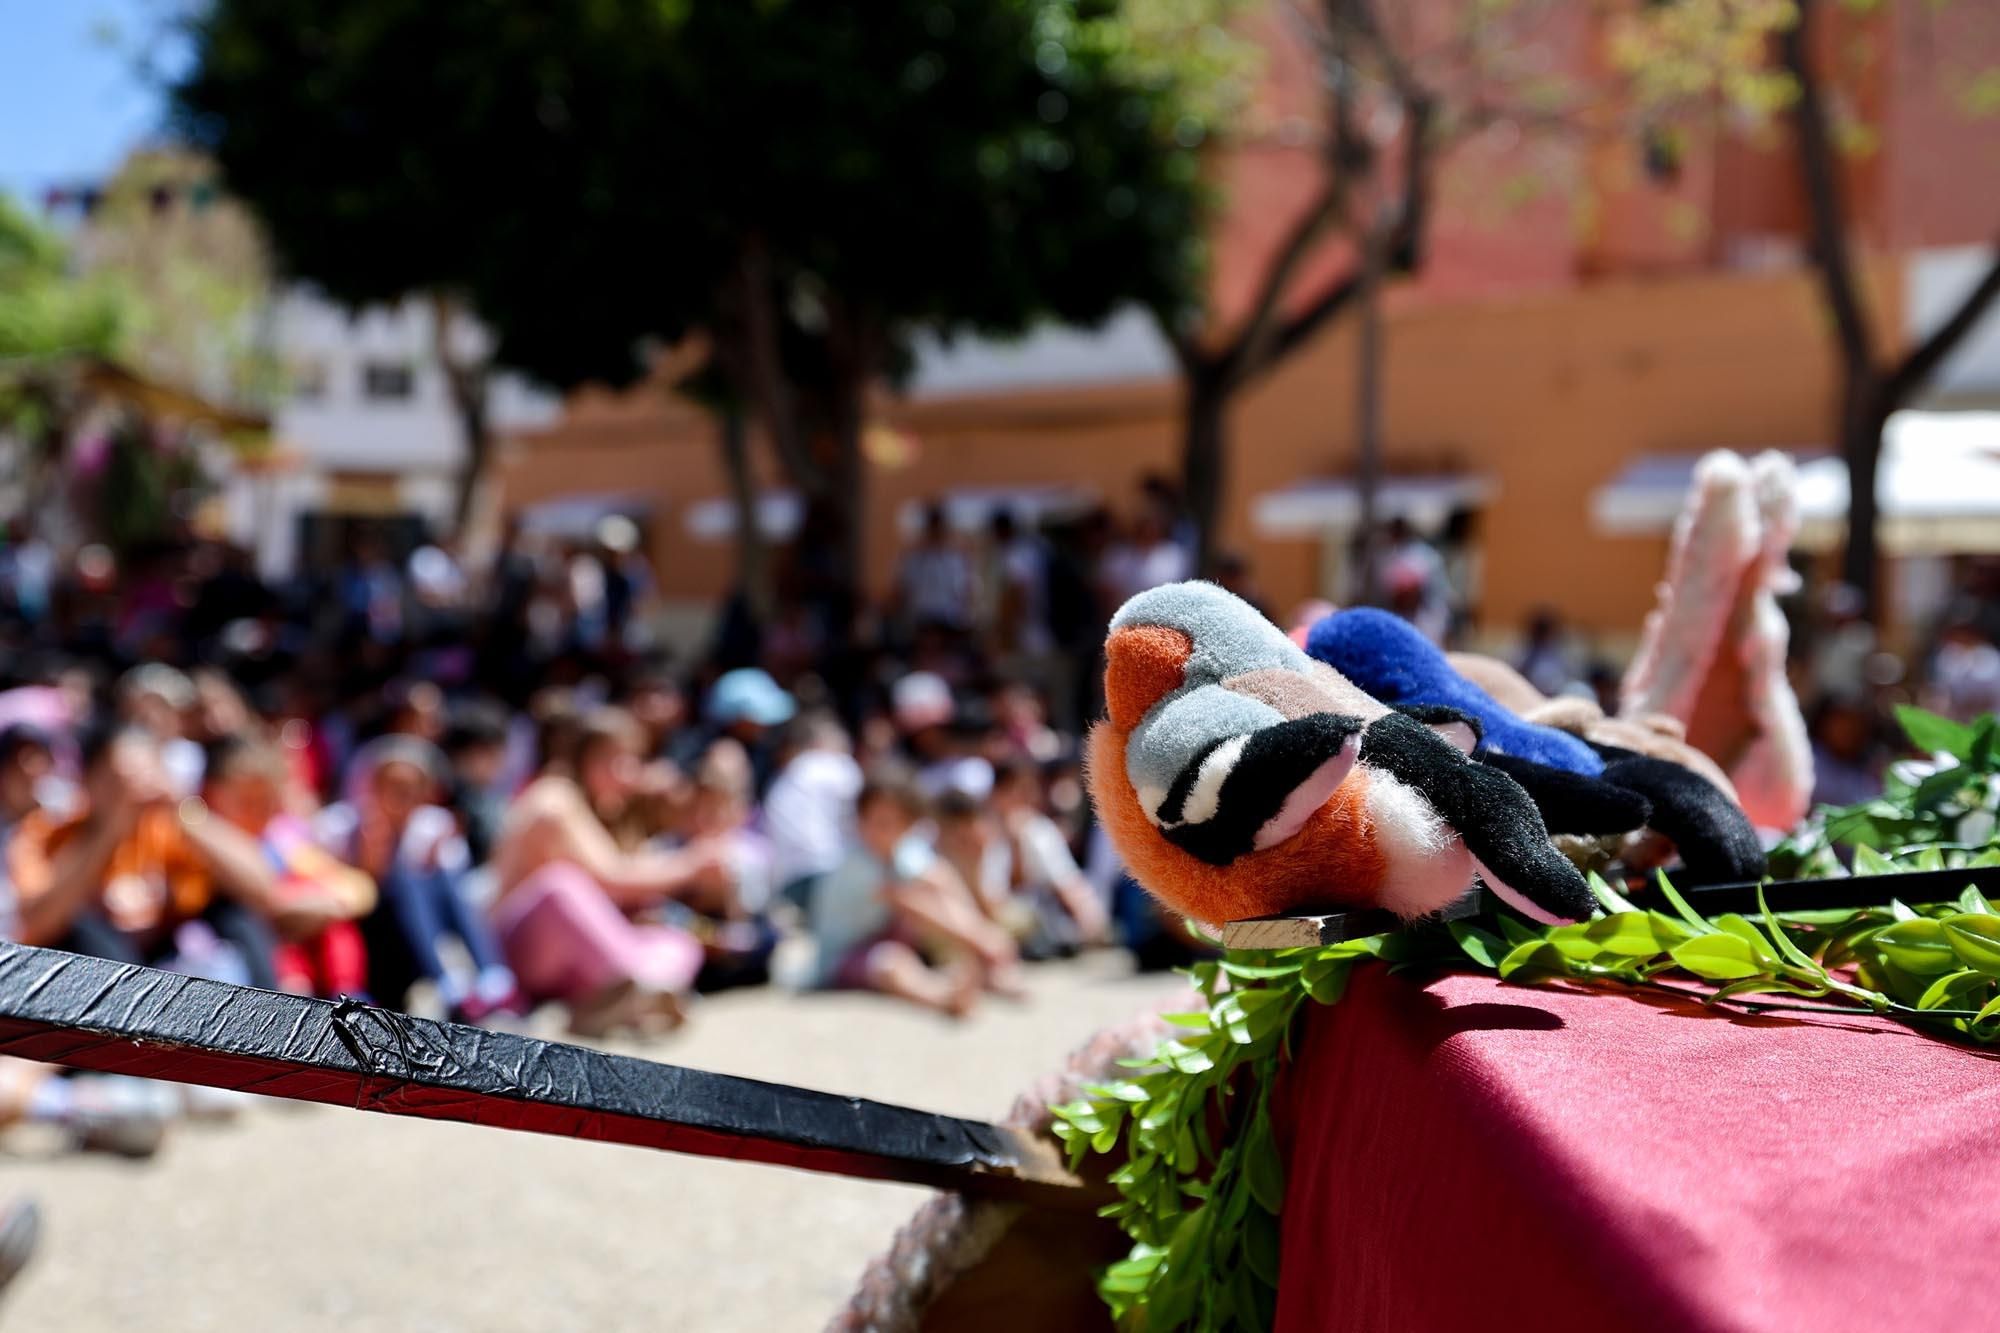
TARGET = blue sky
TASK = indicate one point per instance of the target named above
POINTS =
(73, 93)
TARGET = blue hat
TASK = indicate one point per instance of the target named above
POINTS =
(749, 695)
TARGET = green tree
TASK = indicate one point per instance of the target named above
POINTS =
(807, 183)
(197, 272)
(53, 321)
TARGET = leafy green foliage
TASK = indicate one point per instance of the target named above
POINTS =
(1948, 803)
(1201, 1185)
(591, 173)
(46, 310)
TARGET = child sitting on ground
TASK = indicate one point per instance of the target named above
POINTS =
(246, 787)
(387, 826)
(891, 900)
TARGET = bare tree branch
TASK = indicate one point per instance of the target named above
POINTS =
(1923, 360)
(1251, 344)
(1401, 246)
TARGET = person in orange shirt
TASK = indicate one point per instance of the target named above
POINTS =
(122, 879)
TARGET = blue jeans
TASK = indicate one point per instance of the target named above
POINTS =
(428, 906)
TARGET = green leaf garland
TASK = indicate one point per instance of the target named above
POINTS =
(1202, 1182)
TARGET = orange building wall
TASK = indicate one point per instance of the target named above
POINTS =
(1550, 395)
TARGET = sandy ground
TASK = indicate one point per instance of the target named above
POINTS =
(306, 1218)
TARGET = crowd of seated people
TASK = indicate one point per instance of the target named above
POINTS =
(483, 799)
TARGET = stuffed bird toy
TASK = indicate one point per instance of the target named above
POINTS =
(1239, 778)
(1611, 780)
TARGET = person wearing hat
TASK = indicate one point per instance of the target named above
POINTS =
(747, 706)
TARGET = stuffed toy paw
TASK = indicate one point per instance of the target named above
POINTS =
(1694, 804)
(1238, 778)
(1584, 784)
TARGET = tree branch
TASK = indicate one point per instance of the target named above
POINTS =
(1923, 360)
(1402, 246)
(1825, 202)
(1250, 347)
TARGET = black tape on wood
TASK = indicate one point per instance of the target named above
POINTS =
(91, 1014)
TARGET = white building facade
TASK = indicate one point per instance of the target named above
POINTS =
(366, 432)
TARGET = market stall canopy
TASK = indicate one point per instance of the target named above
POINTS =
(577, 516)
(1314, 505)
(971, 508)
(779, 514)
(154, 398)
(1939, 488)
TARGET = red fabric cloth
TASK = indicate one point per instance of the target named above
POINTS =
(331, 964)
(1467, 1155)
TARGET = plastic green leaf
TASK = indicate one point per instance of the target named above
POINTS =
(1629, 934)
(1793, 954)
(1481, 946)
(1258, 971)
(1687, 914)
(1260, 1246)
(1950, 990)
(1717, 957)
(1931, 733)
(1614, 902)
(1262, 1169)
(1534, 956)
(1746, 930)
(1326, 978)
(1920, 947)
(1868, 861)
(1976, 940)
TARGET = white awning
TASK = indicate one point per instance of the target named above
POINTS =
(971, 508)
(1313, 506)
(577, 516)
(1939, 488)
(779, 514)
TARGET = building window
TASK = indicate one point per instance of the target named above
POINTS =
(388, 381)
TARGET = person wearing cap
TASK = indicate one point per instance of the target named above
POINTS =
(749, 707)
(940, 735)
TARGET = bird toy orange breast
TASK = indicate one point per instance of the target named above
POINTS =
(1237, 777)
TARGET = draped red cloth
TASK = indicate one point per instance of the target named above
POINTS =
(1468, 1155)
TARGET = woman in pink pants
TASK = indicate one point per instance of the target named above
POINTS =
(567, 891)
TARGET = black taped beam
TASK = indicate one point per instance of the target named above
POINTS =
(91, 1014)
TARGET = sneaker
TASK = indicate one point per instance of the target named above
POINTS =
(126, 1117)
(20, 1231)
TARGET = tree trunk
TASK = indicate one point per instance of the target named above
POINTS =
(848, 489)
(753, 557)
(1368, 416)
(1204, 445)
(1863, 416)
(466, 383)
